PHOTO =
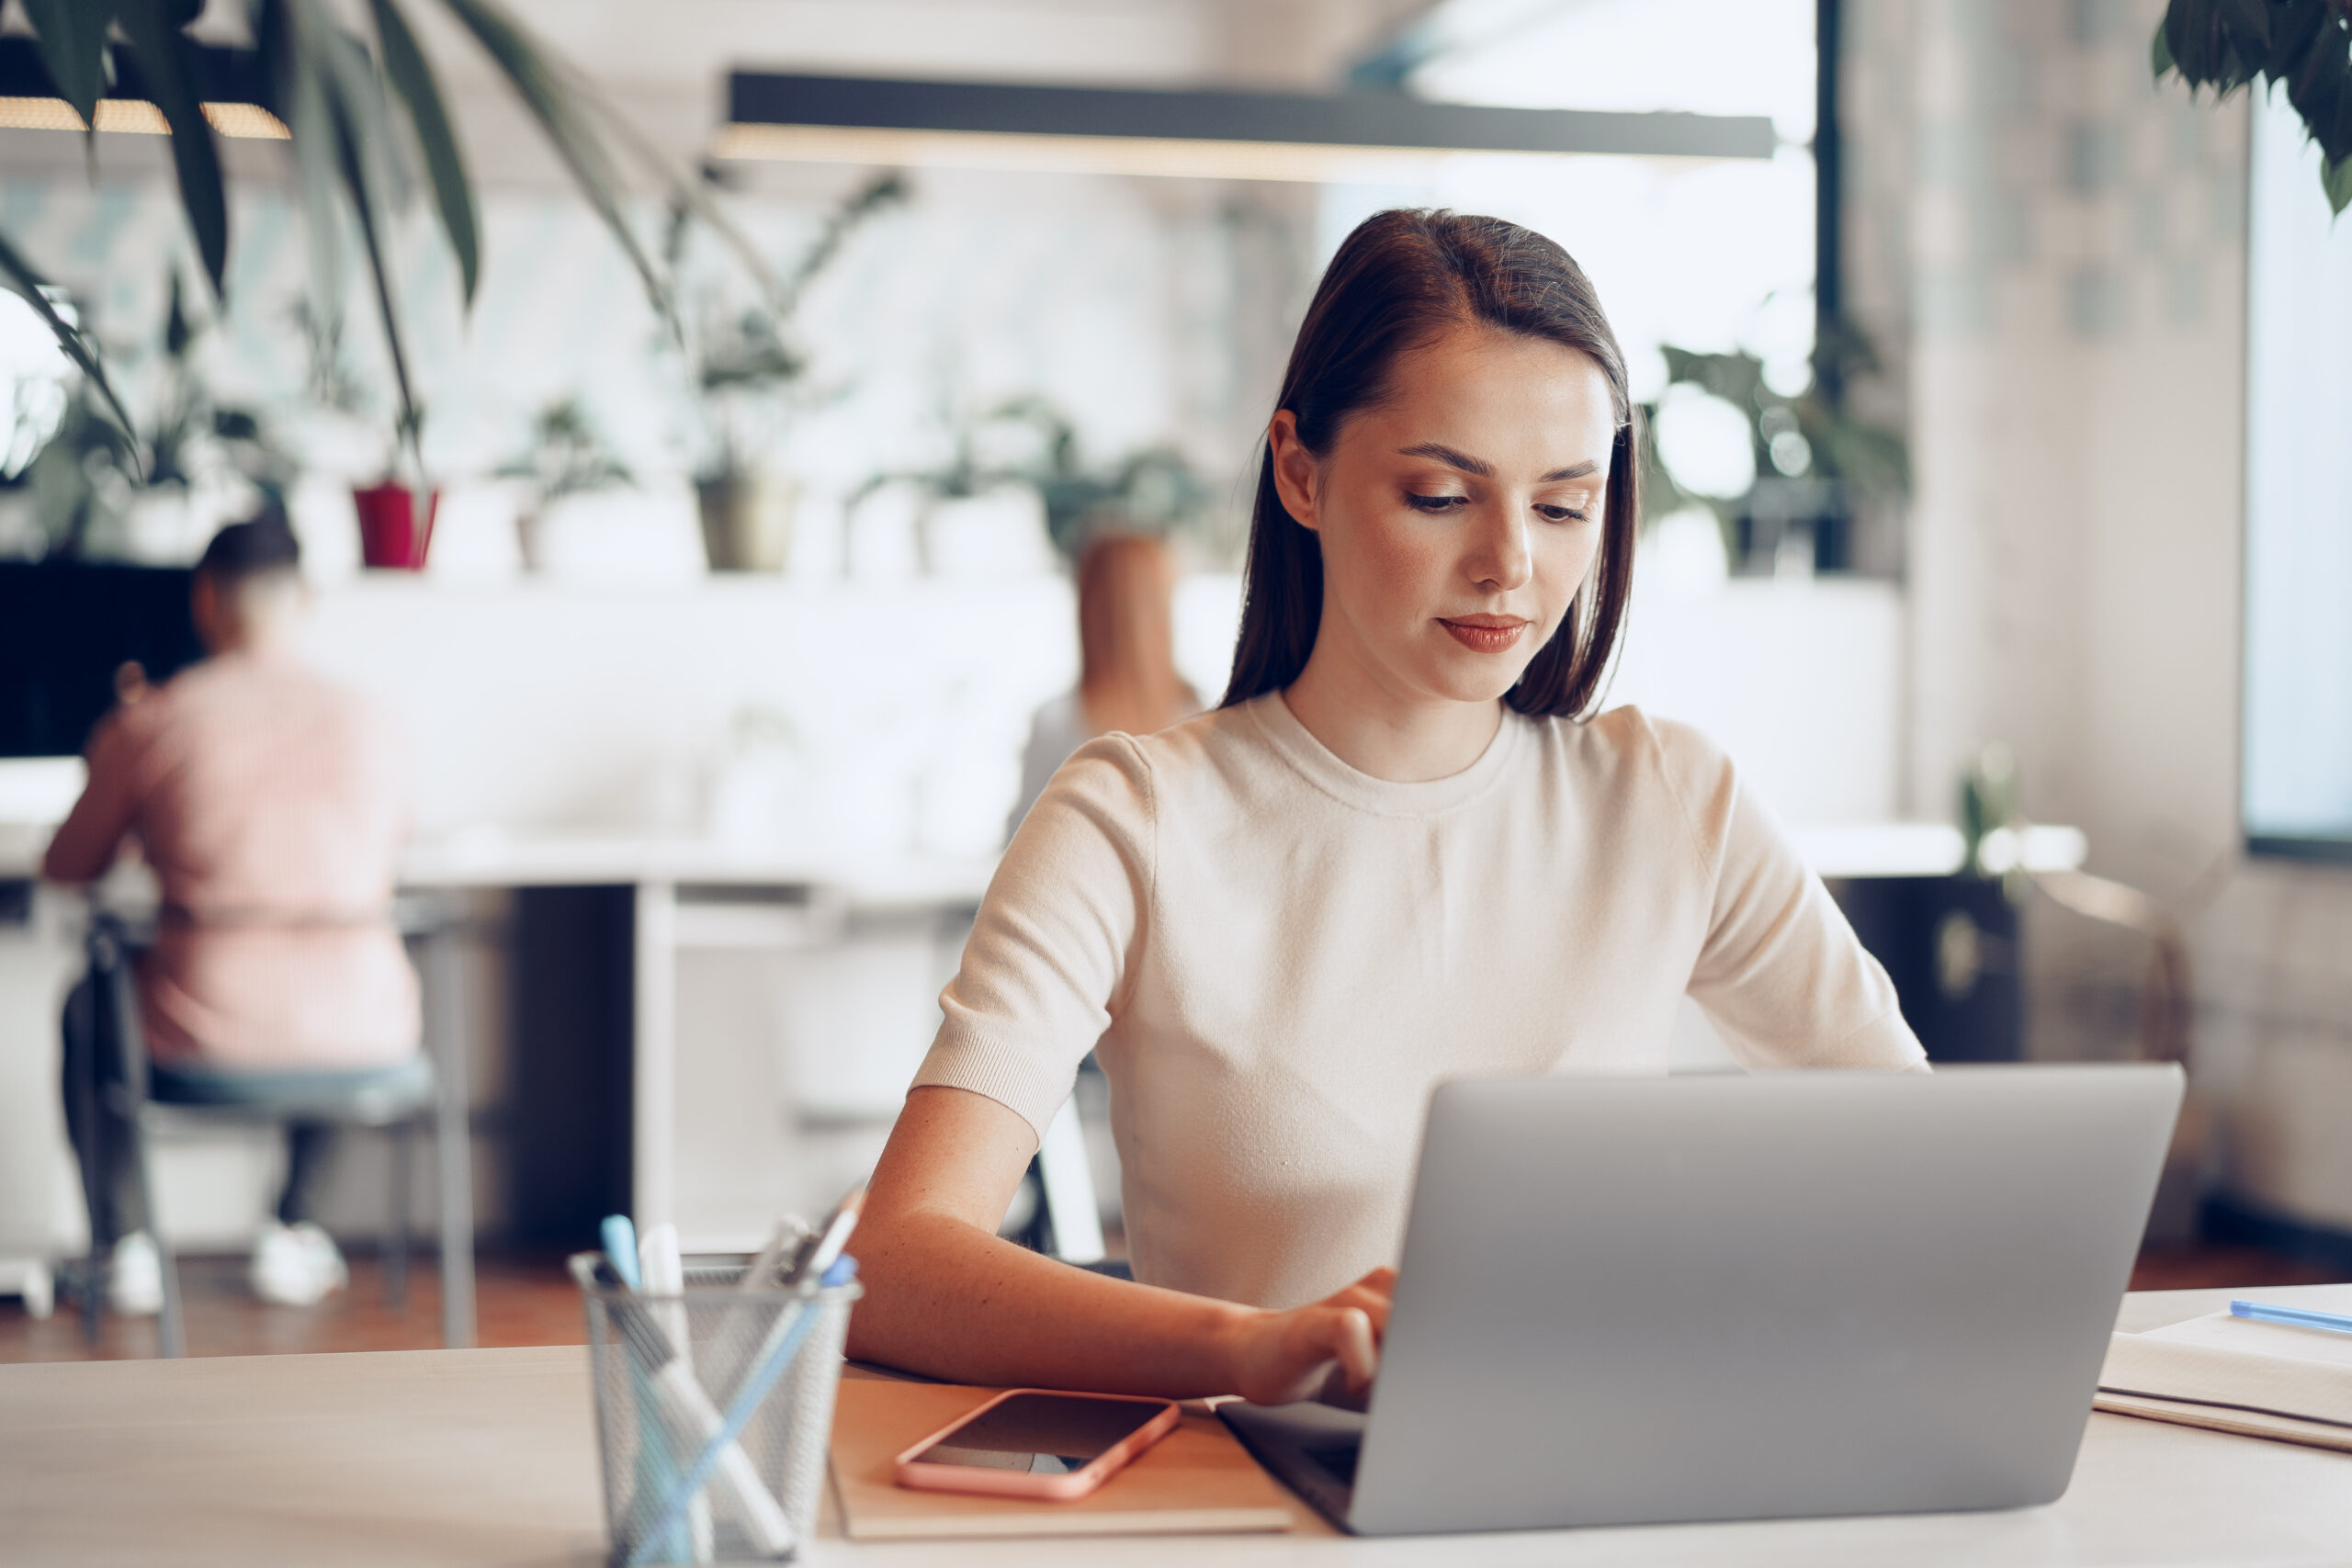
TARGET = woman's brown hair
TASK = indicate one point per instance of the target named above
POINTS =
(1399, 282)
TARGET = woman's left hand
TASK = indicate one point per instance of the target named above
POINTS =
(1328, 1349)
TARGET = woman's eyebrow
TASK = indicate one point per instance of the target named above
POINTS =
(1439, 452)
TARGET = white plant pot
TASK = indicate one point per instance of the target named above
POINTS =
(634, 538)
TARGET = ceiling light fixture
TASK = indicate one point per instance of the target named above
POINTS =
(137, 117)
(1201, 135)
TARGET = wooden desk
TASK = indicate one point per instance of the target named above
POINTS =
(488, 1457)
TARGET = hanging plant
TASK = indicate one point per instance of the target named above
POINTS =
(2304, 46)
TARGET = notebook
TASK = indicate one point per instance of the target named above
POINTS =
(2231, 1374)
(1195, 1480)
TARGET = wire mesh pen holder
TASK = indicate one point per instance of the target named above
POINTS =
(714, 1409)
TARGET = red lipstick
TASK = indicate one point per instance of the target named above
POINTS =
(1485, 634)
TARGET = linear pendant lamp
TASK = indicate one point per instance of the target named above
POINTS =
(1200, 135)
(229, 80)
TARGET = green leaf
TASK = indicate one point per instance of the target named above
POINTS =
(357, 115)
(2248, 23)
(2321, 91)
(557, 103)
(2160, 63)
(280, 28)
(167, 59)
(73, 37)
(689, 195)
(2335, 179)
(177, 333)
(21, 276)
(411, 76)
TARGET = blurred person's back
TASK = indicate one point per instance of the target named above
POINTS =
(1127, 644)
(271, 805)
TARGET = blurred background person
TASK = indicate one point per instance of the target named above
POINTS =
(1126, 659)
(271, 806)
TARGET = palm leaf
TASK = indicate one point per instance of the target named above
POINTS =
(72, 38)
(411, 76)
(358, 117)
(687, 192)
(21, 276)
(164, 55)
(554, 102)
(279, 29)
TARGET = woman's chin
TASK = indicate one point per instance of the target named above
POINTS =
(1475, 678)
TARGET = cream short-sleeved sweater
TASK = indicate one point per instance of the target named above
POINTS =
(1275, 958)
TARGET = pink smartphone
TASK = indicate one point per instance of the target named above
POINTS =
(1032, 1442)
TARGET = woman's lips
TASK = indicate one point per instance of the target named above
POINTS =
(1485, 634)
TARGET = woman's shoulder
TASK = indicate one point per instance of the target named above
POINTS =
(1628, 740)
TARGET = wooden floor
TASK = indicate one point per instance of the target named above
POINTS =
(518, 1300)
(530, 1300)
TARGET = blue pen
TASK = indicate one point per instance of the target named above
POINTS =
(792, 1326)
(2298, 1317)
(656, 1468)
(620, 1246)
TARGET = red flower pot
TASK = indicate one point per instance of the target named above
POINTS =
(389, 536)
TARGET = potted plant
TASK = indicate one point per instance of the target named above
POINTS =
(152, 492)
(338, 417)
(1811, 464)
(366, 117)
(971, 523)
(568, 457)
(749, 377)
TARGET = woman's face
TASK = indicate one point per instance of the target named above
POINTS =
(1458, 518)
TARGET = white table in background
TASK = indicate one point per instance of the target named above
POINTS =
(655, 869)
(463, 1457)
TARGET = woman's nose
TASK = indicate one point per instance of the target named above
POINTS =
(1500, 559)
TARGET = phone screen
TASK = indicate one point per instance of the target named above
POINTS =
(1044, 1434)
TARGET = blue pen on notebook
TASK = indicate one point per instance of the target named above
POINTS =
(2297, 1317)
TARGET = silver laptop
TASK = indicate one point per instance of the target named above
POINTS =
(1643, 1301)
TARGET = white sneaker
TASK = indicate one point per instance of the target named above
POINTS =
(135, 1276)
(297, 1265)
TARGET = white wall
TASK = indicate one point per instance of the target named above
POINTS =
(2053, 252)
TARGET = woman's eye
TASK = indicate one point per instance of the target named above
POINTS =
(1562, 513)
(1435, 502)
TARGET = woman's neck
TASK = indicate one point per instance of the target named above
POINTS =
(1404, 737)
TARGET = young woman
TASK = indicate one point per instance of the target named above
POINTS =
(1400, 853)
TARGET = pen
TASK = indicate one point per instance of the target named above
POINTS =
(620, 1246)
(690, 1409)
(759, 1272)
(816, 1260)
(785, 1335)
(655, 1467)
(2299, 1317)
(663, 1272)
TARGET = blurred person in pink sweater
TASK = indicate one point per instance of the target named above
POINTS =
(271, 806)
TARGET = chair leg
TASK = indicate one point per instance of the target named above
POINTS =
(452, 1144)
(174, 1331)
(82, 1009)
(396, 1222)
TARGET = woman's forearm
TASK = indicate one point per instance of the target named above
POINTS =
(949, 1300)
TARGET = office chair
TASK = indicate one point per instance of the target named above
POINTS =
(394, 1099)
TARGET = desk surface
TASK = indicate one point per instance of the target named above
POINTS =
(487, 1456)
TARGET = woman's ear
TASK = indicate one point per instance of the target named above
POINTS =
(1296, 469)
